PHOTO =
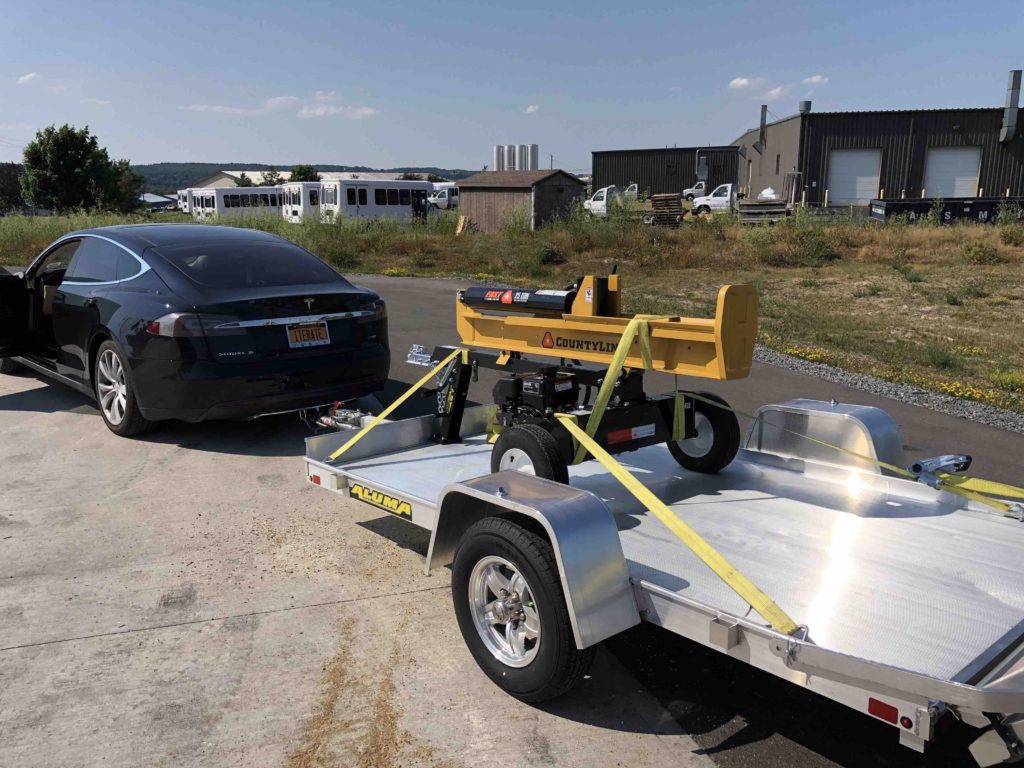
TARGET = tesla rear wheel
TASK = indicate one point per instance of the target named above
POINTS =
(115, 393)
(9, 367)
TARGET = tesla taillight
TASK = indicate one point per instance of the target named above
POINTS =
(175, 324)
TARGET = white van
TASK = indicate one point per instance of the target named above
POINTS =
(371, 199)
(225, 203)
(301, 199)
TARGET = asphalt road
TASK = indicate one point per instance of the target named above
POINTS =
(188, 599)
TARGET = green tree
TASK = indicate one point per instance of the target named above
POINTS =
(271, 178)
(66, 168)
(435, 178)
(10, 188)
(244, 180)
(407, 176)
(304, 173)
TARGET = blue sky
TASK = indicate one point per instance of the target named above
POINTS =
(437, 83)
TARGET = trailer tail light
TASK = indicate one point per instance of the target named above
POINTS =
(883, 711)
(906, 722)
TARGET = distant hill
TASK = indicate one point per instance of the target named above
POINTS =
(170, 177)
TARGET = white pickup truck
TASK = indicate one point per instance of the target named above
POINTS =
(697, 190)
(597, 205)
(721, 200)
(444, 196)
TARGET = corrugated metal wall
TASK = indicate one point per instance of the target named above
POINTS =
(782, 151)
(662, 170)
(904, 138)
(489, 207)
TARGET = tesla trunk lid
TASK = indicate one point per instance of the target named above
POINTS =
(246, 326)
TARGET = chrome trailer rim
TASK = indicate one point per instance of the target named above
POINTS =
(504, 611)
(111, 386)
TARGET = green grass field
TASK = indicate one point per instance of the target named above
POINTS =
(939, 307)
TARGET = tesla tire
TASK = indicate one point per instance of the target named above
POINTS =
(115, 393)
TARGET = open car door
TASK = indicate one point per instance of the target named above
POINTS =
(13, 314)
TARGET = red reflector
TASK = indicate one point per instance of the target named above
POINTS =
(620, 436)
(906, 722)
(883, 711)
(315, 479)
(548, 342)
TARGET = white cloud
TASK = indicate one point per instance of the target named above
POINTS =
(532, 108)
(26, 79)
(816, 80)
(739, 83)
(321, 104)
(776, 93)
(281, 102)
(328, 103)
(220, 109)
(95, 102)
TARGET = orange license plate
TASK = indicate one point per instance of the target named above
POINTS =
(308, 335)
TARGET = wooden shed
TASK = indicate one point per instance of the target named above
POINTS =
(492, 199)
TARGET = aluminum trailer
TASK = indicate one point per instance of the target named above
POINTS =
(910, 599)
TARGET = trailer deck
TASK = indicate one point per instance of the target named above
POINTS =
(875, 567)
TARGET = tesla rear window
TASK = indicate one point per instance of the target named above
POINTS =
(241, 266)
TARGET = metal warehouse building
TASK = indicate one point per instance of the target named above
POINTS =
(490, 198)
(854, 157)
(659, 171)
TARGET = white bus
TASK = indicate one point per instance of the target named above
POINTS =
(372, 199)
(301, 199)
(235, 202)
(183, 197)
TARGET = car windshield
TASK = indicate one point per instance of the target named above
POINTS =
(238, 265)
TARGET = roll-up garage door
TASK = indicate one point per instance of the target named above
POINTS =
(853, 175)
(952, 171)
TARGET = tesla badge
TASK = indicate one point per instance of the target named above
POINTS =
(309, 304)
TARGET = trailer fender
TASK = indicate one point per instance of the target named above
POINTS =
(582, 532)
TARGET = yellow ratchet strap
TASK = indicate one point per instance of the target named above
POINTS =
(387, 411)
(638, 327)
(967, 487)
(725, 570)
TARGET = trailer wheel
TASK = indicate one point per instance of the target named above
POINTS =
(531, 449)
(511, 611)
(717, 440)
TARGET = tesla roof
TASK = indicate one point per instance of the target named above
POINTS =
(141, 236)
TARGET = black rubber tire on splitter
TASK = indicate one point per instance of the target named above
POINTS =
(725, 441)
(558, 664)
(10, 367)
(538, 445)
(133, 422)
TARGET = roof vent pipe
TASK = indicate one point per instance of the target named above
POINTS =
(1009, 130)
(805, 107)
(762, 137)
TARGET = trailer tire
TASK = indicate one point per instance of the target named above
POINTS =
(529, 448)
(496, 548)
(717, 441)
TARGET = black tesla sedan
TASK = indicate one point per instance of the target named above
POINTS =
(192, 322)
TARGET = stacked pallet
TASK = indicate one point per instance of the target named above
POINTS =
(762, 211)
(668, 210)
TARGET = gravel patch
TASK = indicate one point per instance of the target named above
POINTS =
(905, 393)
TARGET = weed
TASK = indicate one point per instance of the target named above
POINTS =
(1009, 380)
(981, 252)
(953, 299)
(940, 357)
(908, 273)
(809, 282)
